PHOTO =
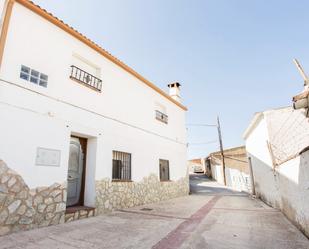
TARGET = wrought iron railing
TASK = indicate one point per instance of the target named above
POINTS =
(161, 117)
(85, 78)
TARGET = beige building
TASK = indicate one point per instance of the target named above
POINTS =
(196, 165)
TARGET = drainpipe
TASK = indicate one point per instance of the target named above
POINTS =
(251, 175)
(221, 149)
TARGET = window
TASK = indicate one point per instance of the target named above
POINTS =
(33, 76)
(164, 170)
(43, 80)
(24, 72)
(121, 166)
(161, 117)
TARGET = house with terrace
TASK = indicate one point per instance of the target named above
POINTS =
(81, 132)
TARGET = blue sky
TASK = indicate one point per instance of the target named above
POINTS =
(232, 57)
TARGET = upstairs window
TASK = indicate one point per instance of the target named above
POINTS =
(34, 76)
(161, 117)
(164, 170)
(121, 166)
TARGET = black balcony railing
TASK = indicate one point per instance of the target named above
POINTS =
(85, 78)
(161, 117)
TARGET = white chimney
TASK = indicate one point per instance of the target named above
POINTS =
(175, 91)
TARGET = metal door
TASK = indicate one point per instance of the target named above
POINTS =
(75, 172)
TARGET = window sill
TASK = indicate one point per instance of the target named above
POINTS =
(115, 180)
(165, 180)
(162, 121)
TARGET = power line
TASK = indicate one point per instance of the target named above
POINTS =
(202, 143)
(83, 109)
(204, 125)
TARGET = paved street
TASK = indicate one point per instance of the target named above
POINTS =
(211, 217)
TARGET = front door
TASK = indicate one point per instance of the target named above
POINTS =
(75, 172)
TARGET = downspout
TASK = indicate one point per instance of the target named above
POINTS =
(252, 176)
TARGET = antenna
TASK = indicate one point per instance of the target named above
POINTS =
(301, 71)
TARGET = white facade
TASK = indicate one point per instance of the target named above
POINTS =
(284, 185)
(235, 178)
(121, 117)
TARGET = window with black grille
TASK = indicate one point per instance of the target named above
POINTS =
(164, 170)
(121, 166)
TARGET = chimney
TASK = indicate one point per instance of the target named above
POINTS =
(175, 91)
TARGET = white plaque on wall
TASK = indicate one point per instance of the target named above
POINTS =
(47, 157)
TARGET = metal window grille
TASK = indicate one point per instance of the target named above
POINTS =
(85, 78)
(121, 166)
(164, 170)
(161, 117)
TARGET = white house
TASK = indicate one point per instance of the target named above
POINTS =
(277, 141)
(237, 173)
(81, 132)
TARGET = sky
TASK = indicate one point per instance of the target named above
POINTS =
(232, 57)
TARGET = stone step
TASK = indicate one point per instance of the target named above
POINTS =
(78, 212)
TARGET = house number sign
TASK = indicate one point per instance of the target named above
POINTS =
(48, 157)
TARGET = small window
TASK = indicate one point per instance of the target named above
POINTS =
(24, 72)
(161, 117)
(121, 166)
(33, 76)
(43, 80)
(164, 170)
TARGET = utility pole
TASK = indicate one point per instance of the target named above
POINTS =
(221, 149)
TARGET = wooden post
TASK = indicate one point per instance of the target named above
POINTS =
(221, 149)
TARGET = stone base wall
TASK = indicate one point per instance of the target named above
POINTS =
(116, 195)
(22, 208)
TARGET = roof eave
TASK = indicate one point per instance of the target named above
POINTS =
(256, 118)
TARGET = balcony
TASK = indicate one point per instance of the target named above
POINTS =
(161, 117)
(85, 78)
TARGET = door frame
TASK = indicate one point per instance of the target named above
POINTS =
(83, 143)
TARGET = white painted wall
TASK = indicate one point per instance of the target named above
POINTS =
(217, 173)
(121, 118)
(2, 11)
(264, 177)
(285, 187)
(235, 179)
(294, 190)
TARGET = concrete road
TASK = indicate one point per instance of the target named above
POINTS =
(211, 217)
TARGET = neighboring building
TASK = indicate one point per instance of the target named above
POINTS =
(81, 132)
(236, 168)
(277, 143)
(196, 165)
(301, 101)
